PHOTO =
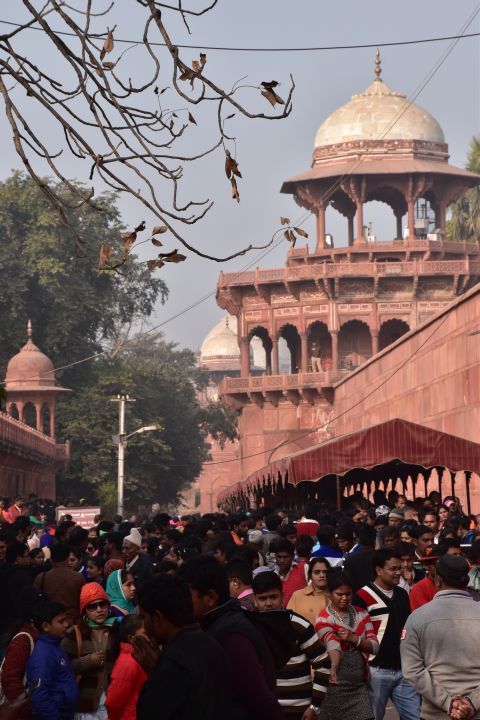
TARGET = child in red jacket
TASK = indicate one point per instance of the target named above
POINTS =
(127, 676)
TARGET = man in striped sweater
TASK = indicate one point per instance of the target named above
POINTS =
(298, 693)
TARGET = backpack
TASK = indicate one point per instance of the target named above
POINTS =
(3, 698)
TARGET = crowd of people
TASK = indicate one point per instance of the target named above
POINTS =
(265, 615)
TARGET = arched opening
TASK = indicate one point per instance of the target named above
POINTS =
(354, 344)
(13, 411)
(45, 420)
(390, 331)
(262, 334)
(30, 415)
(289, 334)
(319, 347)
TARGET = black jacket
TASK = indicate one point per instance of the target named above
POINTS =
(191, 681)
(142, 571)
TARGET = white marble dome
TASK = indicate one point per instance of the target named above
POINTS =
(379, 113)
(220, 351)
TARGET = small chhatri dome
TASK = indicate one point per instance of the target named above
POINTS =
(30, 368)
(379, 113)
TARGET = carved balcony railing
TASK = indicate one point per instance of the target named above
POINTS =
(20, 439)
(325, 270)
(283, 384)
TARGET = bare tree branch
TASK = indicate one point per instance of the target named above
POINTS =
(114, 123)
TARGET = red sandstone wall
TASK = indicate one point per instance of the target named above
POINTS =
(436, 380)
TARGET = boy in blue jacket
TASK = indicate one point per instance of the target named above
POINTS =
(49, 669)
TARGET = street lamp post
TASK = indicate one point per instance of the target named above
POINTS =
(121, 440)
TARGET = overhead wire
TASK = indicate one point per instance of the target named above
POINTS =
(319, 48)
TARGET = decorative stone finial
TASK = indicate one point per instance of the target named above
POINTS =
(29, 329)
(378, 66)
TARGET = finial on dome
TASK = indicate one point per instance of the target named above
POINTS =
(29, 329)
(378, 66)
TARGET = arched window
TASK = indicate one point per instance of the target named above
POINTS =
(390, 331)
(354, 344)
(291, 339)
(45, 420)
(319, 347)
(30, 415)
(13, 411)
(262, 333)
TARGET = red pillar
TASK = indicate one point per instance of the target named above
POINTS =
(244, 356)
(52, 418)
(374, 341)
(334, 334)
(304, 360)
(38, 411)
(320, 227)
(360, 238)
(275, 367)
(411, 219)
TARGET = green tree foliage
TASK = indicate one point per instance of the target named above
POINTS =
(164, 382)
(74, 308)
(465, 220)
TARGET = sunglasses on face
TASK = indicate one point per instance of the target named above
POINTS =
(100, 605)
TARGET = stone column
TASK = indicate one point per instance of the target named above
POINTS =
(334, 335)
(244, 356)
(374, 334)
(38, 411)
(411, 219)
(399, 227)
(52, 418)
(275, 364)
(320, 227)
(350, 230)
(304, 359)
(359, 240)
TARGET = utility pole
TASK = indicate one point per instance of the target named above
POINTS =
(122, 444)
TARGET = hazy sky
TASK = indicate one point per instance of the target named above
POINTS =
(270, 152)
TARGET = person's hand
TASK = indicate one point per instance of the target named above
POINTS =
(333, 676)
(461, 708)
(408, 576)
(97, 658)
(145, 652)
(309, 714)
(347, 636)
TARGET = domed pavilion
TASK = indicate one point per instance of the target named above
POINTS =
(380, 146)
(334, 306)
(32, 388)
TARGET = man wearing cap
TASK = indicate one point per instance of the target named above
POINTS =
(439, 646)
(396, 518)
(137, 564)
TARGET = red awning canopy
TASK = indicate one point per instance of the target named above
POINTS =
(380, 444)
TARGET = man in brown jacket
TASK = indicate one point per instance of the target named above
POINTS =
(61, 584)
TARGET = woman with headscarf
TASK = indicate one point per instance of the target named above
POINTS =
(93, 646)
(121, 592)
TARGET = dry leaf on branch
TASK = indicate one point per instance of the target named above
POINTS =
(269, 92)
(108, 65)
(301, 232)
(231, 166)
(108, 45)
(235, 193)
(159, 230)
(290, 236)
(141, 227)
(191, 118)
(285, 221)
(174, 257)
(152, 264)
(128, 240)
(203, 59)
(157, 243)
(105, 254)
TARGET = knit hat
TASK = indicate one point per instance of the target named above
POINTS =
(134, 537)
(396, 514)
(382, 510)
(454, 570)
(91, 592)
(112, 565)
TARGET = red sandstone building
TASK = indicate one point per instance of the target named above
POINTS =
(29, 453)
(345, 312)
